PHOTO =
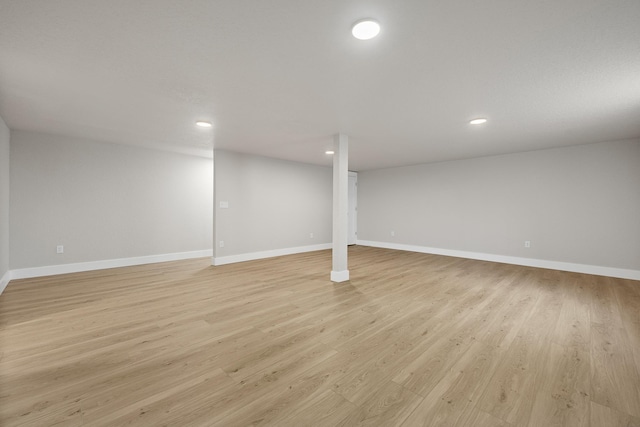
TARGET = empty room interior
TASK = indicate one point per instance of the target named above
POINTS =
(331, 213)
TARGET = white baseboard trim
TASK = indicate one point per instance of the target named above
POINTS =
(26, 273)
(339, 276)
(529, 262)
(230, 259)
(6, 278)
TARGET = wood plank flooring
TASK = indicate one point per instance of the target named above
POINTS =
(411, 340)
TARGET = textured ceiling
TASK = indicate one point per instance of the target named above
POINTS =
(280, 77)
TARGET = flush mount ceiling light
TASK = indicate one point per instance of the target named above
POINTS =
(365, 29)
(478, 121)
(203, 124)
(328, 152)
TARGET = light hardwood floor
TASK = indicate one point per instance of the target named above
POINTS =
(412, 340)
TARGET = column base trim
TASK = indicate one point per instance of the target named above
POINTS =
(339, 276)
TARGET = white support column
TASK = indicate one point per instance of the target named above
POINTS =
(215, 216)
(340, 270)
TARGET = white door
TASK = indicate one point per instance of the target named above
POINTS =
(353, 209)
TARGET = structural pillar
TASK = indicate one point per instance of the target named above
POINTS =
(339, 269)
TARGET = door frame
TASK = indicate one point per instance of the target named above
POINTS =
(352, 215)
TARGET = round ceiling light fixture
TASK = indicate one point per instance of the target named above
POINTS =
(329, 152)
(203, 124)
(365, 29)
(478, 121)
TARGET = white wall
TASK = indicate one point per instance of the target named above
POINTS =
(4, 203)
(274, 205)
(104, 201)
(578, 204)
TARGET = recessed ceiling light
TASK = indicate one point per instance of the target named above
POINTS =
(203, 124)
(477, 121)
(328, 152)
(365, 29)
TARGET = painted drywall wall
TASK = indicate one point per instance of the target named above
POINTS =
(578, 204)
(4, 200)
(104, 201)
(272, 204)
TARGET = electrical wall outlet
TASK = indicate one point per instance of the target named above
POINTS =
(527, 243)
(311, 235)
(222, 243)
(59, 249)
(393, 234)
